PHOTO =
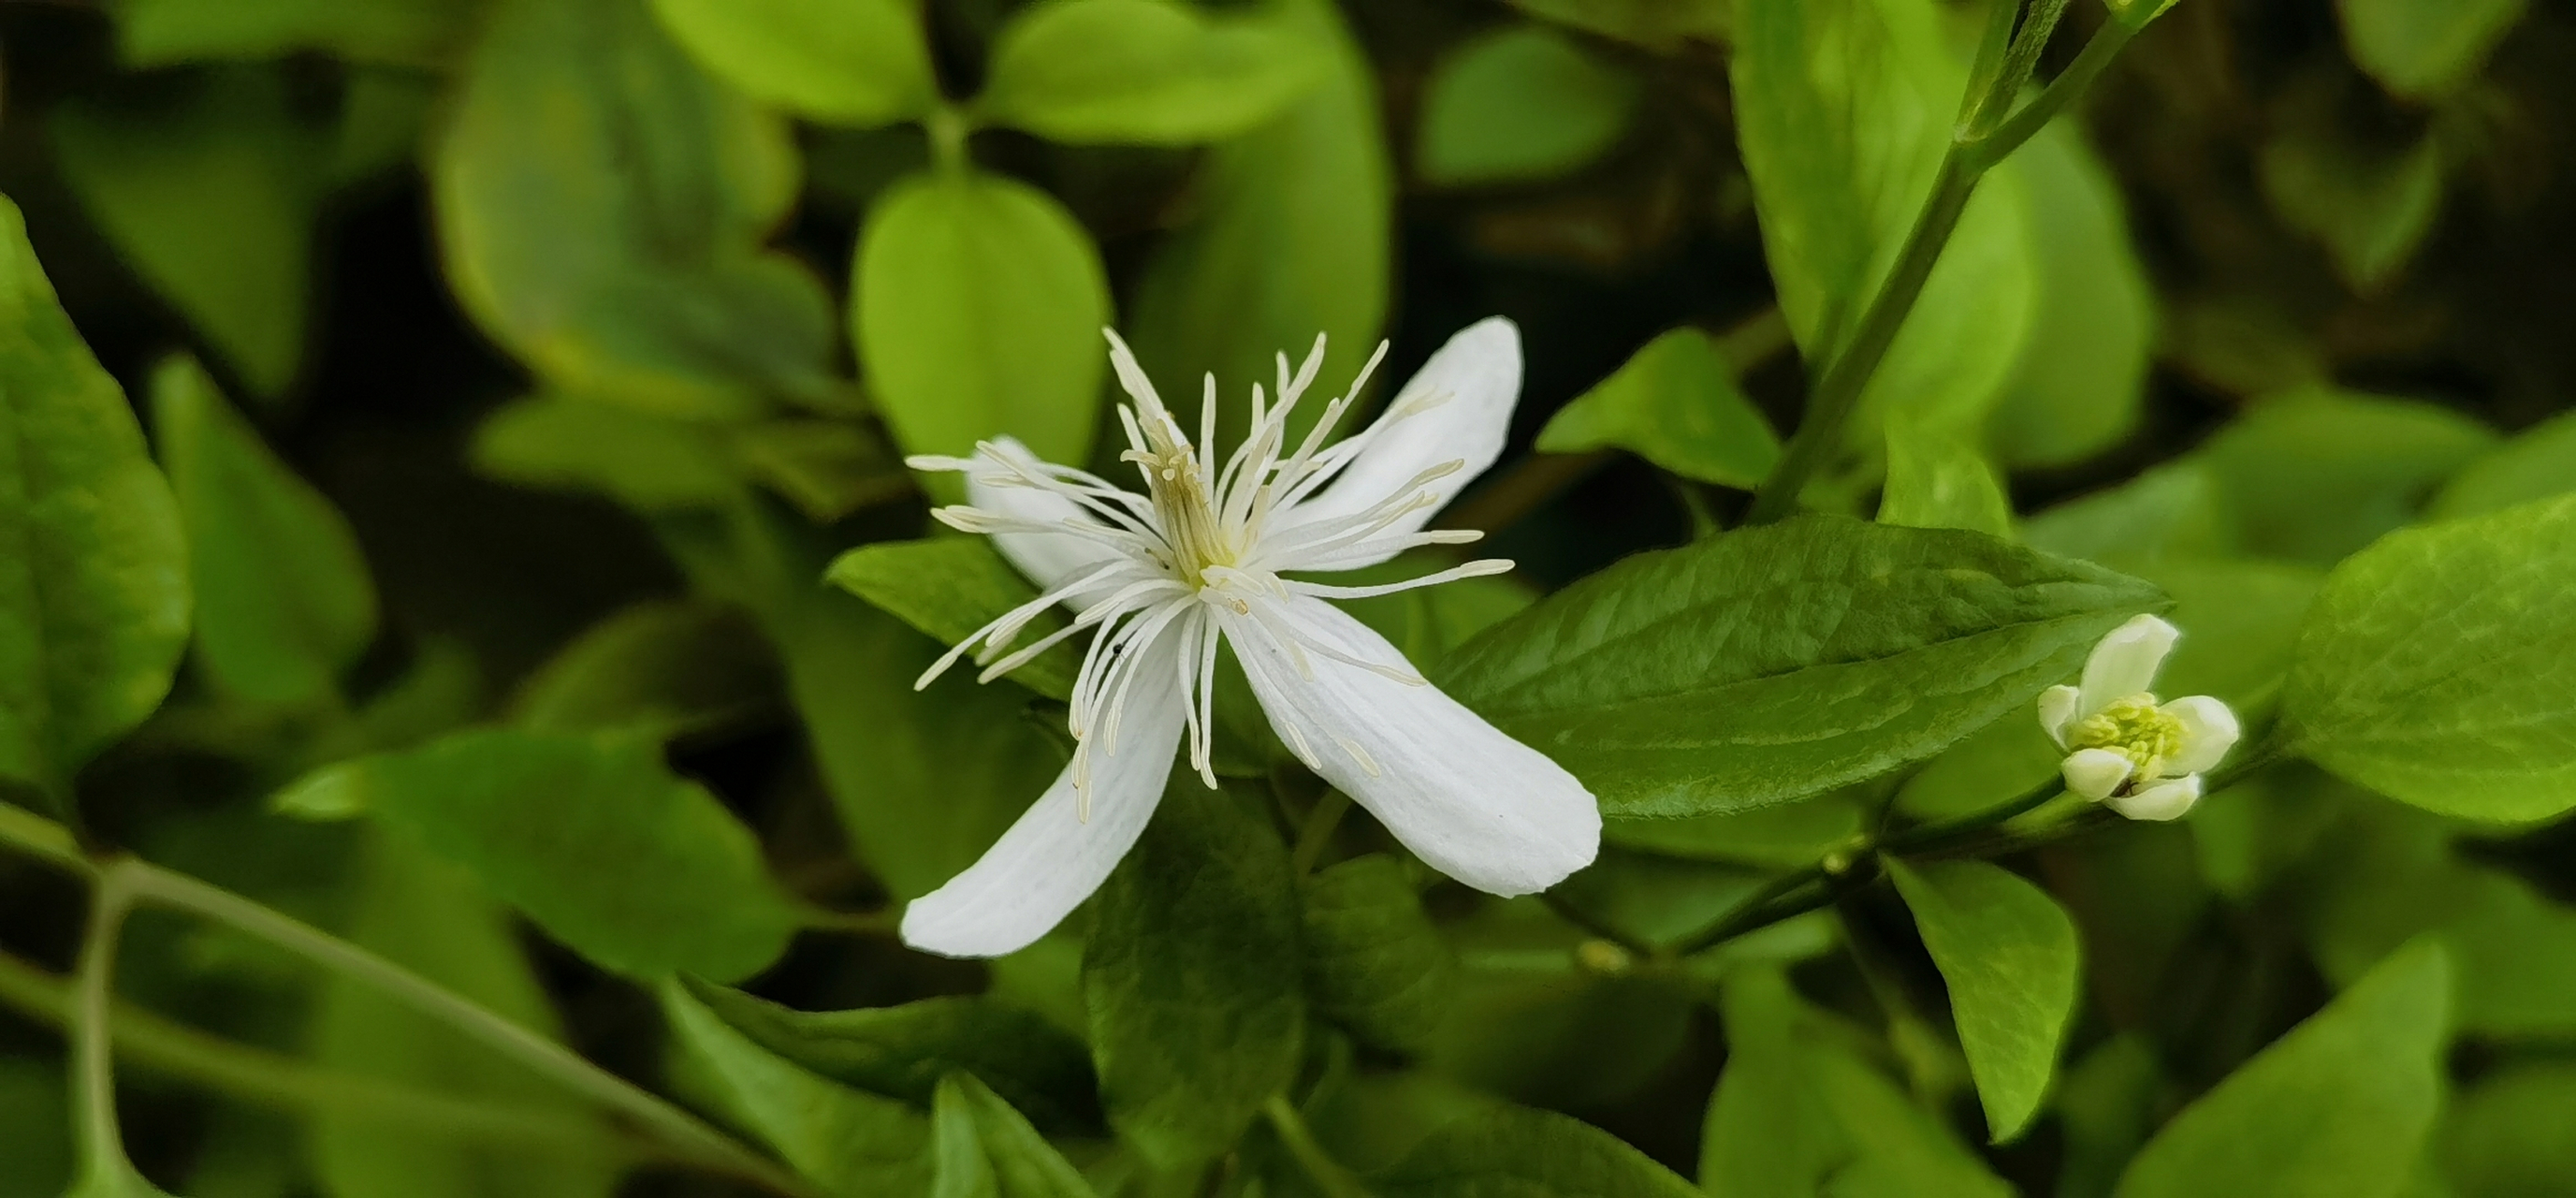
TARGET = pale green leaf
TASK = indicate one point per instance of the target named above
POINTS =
(2314, 475)
(1374, 962)
(1937, 479)
(2081, 381)
(856, 1144)
(2537, 463)
(2370, 207)
(2177, 509)
(2506, 1135)
(1674, 403)
(1522, 102)
(850, 62)
(2423, 48)
(410, 33)
(649, 462)
(2008, 953)
(949, 587)
(2240, 626)
(1149, 72)
(983, 1147)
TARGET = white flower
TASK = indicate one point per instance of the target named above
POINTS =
(1201, 558)
(2124, 748)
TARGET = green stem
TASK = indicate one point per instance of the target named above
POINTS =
(1932, 836)
(2062, 91)
(102, 1144)
(948, 128)
(1330, 1178)
(1316, 834)
(43, 839)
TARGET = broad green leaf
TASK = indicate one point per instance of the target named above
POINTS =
(978, 314)
(2240, 626)
(2537, 463)
(2340, 1105)
(827, 468)
(983, 1147)
(903, 1052)
(2009, 955)
(856, 1144)
(849, 62)
(1374, 962)
(674, 882)
(2506, 1135)
(1772, 663)
(615, 244)
(2082, 376)
(1191, 973)
(2106, 1109)
(1788, 835)
(1663, 26)
(664, 667)
(2438, 667)
(429, 916)
(1676, 404)
(1987, 768)
(2314, 475)
(648, 462)
(212, 202)
(93, 565)
(1522, 102)
(1149, 72)
(284, 602)
(949, 587)
(1294, 237)
(1938, 479)
(410, 33)
(2176, 509)
(2423, 48)
(2371, 207)
(1525, 1153)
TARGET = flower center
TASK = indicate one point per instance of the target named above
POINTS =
(2134, 728)
(1177, 486)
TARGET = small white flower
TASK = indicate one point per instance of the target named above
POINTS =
(2125, 749)
(1201, 558)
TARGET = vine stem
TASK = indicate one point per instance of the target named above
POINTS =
(101, 1141)
(1330, 1178)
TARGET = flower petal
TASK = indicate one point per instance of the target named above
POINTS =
(2059, 708)
(1475, 804)
(1046, 558)
(2126, 661)
(1052, 859)
(2163, 801)
(1479, 373)
(2095, 773)
(2209, 730)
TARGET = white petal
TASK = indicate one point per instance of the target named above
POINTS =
(2163, 801)
(1475, 804)
(2095, 773)
(1046, 558)
(1052, 859)
(2059, 708)
(2209, 730)
(2126, 661)
(1479, 373)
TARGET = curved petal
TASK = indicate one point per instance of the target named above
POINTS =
(2059, 708)
(1477, 379)
(2126, 661)
(1476, 804)
(1052, 858)
(2209, 730)
(2095, 773)
(2163, 801)
(1047, 559)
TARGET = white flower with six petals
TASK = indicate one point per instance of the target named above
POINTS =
(2124, 749)
(1202, 557)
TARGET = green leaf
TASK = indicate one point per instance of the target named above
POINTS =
(648, 462)
(858, 1145)
(675, 884)
(1192, 977)
(1937, 479)
(1790, 834)
(212, 202)
(1294, 237)
(284, 603)
(2009, 956)
(2423, 48)
(978, 314)
(849, 62)
(2340, 1105)
(663, 668)
(1522, 102)
(1772, 663)
(2370, 206)
(409, 33)
(949, 587)
(2240, 622)
(902, 1052)
(615, 245)
(2314, 475)
(1663, 26)
(2438, 667)
(1374, 962)
(35, 1128)
(1674, 403)
(2506, 1135)
(1147, 72)
(429, 916)
(93, 565)
(983, 1147)
(1525, 1153)
(2176, 509)
(2537, 463)
(2082, 376)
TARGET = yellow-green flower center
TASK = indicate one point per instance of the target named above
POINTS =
(2132, 727)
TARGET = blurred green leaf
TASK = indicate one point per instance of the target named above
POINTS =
(2240, 624)
(35, 1128)
(949, 587)
(1374, 962)
(1664, 26)
(1987, 768)
(414, 33)
(1938, 479)
(93, 563)
(1782, 661)
(856, 1144)
(2177, 509)
(212, 202)
(2340, 1105)
(2438, 667)
(849, 62)
(1149, 72)
(827, 468)
(2370, 207)
(2009, 955)
(984, 1148)
(1789, 834)
(1525, 1153)
(2106, 1108)
(2082, 376)
(1674, 403)
(648, 462)
(2537, 463)
(676, 883)
(660, 667)
(2423, 48)
(1520, 102)
(2505, 1136)
(978, 314)
(1191, 973)
(284, 602)
(903, 1052)
(2314, 475)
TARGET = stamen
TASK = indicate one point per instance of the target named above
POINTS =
(1367, 764)
(1482, 568)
